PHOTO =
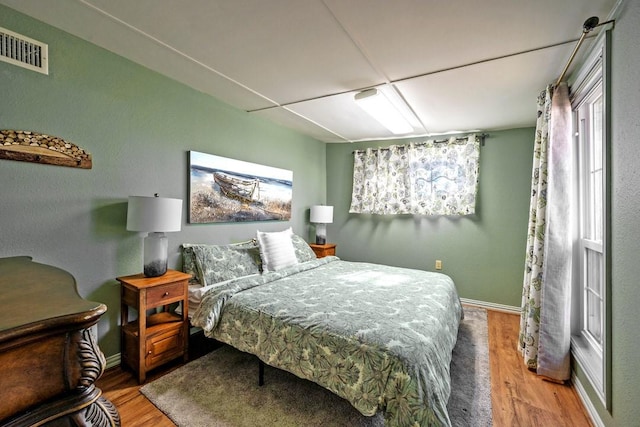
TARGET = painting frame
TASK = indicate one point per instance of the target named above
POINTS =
(226, 190)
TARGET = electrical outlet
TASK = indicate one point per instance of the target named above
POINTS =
(438, 264)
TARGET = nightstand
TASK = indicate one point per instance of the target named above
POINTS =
(323, 250)
(158, 335)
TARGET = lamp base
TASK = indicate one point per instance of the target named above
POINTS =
(155, 269)
(155, 254)
(321, 234)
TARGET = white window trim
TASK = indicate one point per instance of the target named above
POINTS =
(594, 360)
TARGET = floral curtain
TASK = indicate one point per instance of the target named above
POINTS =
(428, 178)
(544, 337)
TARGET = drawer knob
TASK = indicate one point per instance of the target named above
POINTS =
(166, 294)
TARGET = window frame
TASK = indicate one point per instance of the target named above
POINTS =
(594, 357)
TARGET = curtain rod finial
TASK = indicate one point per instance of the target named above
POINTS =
(590, 24)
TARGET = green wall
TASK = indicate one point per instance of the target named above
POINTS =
(625, 231)
(483, 253)
(139, 127)
(625, 237)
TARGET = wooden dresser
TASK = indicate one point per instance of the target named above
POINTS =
(49, 357)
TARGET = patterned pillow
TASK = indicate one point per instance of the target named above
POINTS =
(217, 263)
(189, 263)
(303, 251)
(276, 249)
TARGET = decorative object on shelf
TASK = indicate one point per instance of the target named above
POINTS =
(155, 215)
(28, 146)
(321, 216)
(229, 190)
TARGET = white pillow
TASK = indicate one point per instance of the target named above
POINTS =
(276, 250)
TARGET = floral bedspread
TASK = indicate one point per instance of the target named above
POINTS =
(379, 336)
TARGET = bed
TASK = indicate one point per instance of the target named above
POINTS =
(378, 336)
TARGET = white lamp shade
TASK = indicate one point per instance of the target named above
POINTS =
(154, 214)
(321, 214)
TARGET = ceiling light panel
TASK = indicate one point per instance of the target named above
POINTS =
(341, 114)
(378, 106)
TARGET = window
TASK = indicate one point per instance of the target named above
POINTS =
(591, 312)
(428, 178)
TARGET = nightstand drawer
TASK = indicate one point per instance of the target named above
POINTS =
(165, 294)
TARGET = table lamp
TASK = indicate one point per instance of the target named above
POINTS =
(155, 215)
(321, 216)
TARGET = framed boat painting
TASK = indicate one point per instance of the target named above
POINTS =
(229, 190)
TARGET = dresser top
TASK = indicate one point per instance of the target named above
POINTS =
(38, 297)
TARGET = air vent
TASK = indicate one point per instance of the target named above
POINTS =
(23, 51)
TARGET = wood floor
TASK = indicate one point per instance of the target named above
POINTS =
(519, 397)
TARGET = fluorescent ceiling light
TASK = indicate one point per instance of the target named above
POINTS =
(378, 106)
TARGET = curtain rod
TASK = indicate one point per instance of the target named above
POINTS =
(407, 78)
(587, 27)
(480, 136)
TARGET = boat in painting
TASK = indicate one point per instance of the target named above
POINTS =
(237, 188)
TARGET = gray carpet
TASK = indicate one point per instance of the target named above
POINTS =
(220, 390)
(470, 401)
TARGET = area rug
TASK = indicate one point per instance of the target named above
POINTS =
(220, 390)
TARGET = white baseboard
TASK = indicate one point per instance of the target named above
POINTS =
(113, 361)
(491, 306)
(591, 410)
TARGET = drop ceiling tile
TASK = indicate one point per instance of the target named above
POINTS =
(411, 37)
(286, 50)
(492, 95)
(293, 121)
